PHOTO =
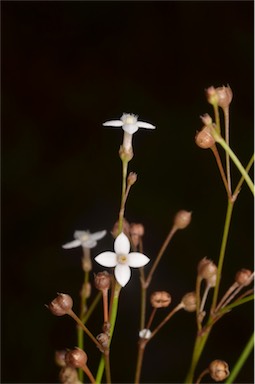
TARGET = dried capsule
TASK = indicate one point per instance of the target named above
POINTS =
(243, 277)
(160, 299)
(189, 302)
(206, 269)
(206, 119)
(212, 96)
(102, 280)
(76, 358)
(225, 96)
(218, 370)
(132, 177)
(61, 305)
(204, 139)
(182, 219)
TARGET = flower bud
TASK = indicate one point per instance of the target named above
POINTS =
(212, 96)
(60, 358)
(189, 302)
(243, 277)
(218, 370)
(102, 280)
(204, 138)
(132, 177)
(225, 96)
(76, 358)
(160, 299)
(206, 119)
(115, 230)
(182, 219)
(206, 269)
(61, 305)
(136, 232)
(68, 375)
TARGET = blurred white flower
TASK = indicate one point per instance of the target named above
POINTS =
(129, 123)
(85, 239)
(121, 259)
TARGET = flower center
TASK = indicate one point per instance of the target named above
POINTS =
(84, 237)
(129, 119)
(122, 259)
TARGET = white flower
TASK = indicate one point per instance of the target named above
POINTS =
(145, 333)
(85, 239)
(121, 259)
(129, 123)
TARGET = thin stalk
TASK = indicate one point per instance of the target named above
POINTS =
(107, 367)
(123, 195)
(166, 319)
(222, 173)
(162, 250)
(227, 294)
(238, 187)
(235, 159)
(142, 345)
(113, 316)
(80, 338)
(205, 372)
(86, 369)
(198, 349)
(143, 299)
(85, 329)
(206, 291)
(92, 307)
(222, 253)
(240, 362)
(217, 116)
(198, 300)
(226, 119)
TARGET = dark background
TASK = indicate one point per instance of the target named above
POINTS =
(66, 68)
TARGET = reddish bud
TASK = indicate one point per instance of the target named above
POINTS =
(182, 219)
(243, 277)
(102, 280)
(61, 305)
(218, 370)
(204, 139)
(68, 375)
(206, 119)
(76, 358)
(206, 269)
(132, 177)
(225, 96)
(115, 230)
(60, 358)
(189, 302)
(160, 299)
(136, 232)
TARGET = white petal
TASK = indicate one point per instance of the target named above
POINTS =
(130, 128)
(72, 244)
(145, 333)
(79, 234)
(97, 235)
(142, 124)
(122, 244)
(122, 273)
(137, 259)
(113, 123)
(107, 259)
(89, 243)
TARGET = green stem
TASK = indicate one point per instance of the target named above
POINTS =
(92, 307)
(235, 159)
(238, 187)
(123, 195)
(222, 253)
(198, 349)
(113, 316)
(240, 362)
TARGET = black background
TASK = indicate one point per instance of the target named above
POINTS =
(66, 68)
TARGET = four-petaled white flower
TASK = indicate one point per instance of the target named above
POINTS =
(121, 259)
(85, 239)
(129, 123)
